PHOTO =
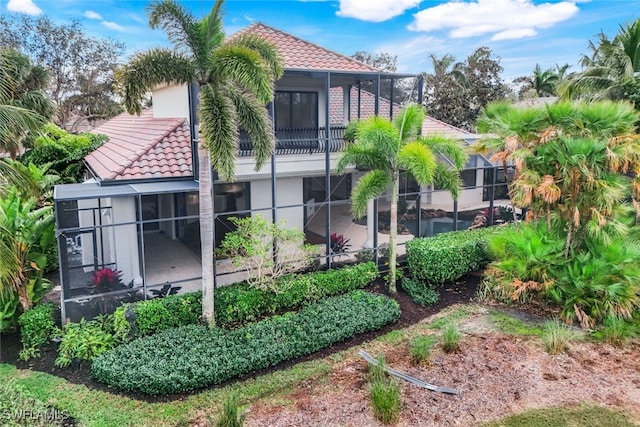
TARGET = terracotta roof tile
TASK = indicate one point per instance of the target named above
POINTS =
(302, 55)
(142, 147)
(430, 126)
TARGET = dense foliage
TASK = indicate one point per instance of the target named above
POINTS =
(37, 326)
(64, 152)
(420, 292)
(83, 341)
(193, 356)
(448, 256)
(240, 303)
(576, 173)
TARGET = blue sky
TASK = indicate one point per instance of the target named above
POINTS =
(520, 32)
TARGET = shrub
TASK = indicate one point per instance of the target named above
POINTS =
(448, 256)
(451, 338)
(556, 337)
(420, 292)
(193, 356)
(37, 326)
(240, 303)
(421, 349)
(82, 341)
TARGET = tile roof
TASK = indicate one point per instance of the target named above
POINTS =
(302, 55)
(141, 147)
(430, 126)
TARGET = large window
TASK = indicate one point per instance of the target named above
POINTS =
(296, 110)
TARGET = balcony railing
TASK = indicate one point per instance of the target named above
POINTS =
(299, 141)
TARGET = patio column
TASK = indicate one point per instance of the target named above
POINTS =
(346, 104)
(370, 225)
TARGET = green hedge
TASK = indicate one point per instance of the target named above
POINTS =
(37, 327)
(449, 256)
(193, 356)
(239, 303)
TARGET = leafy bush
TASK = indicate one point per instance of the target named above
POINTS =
(64, 151)
(82, 341)
(240, 303)
(194, 356)
(37, 326)
(420, 292)
(449, 256)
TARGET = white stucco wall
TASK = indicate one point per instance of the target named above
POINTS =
(126, 239)
(288, 192)
(171, 101)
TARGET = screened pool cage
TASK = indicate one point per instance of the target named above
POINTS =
(126, 242)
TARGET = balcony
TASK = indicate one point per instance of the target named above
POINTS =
(299, 141)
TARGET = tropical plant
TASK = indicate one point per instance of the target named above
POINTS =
(235, 77)
(23, 90)
(25, 235)
(386, 148)
(339, 245)
(556, 337)
(542, 83)
(421, 349)
(451, 338)
(265, 250)
(611, 69)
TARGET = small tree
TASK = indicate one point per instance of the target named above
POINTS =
(265, 250)
(386, 148)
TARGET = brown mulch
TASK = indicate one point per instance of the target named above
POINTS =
(461, 291)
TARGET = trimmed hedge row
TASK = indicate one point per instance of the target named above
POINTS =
(449, 256)
(239, 303)
(193, 356)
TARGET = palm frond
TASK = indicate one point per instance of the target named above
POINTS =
(244, 67)
(409, 121)
(148, 70)
(370, 186)
(379, 134)
(363, 157)
(214, 33)
(181, 27)
(268, 52)
(454, 150)
(255, 120)
(447, 179)
(419, 160)
(219, 129)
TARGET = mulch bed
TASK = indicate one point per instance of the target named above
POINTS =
(460, 291)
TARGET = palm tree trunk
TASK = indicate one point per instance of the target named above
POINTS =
(206, 235)
(393, 231)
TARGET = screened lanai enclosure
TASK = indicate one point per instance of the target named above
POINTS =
(129, 241)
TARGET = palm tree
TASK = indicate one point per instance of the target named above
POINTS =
(542, 82)
(23, 106)
(235, 77)
(386, 148)
(612, 66)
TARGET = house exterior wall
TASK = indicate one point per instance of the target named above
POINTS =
(126, 239)
(288, 192)
(171, 101)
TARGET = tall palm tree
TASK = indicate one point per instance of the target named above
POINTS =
(236, 79)
(542, 82)
(24, 107)
(386, 148)
(612, 66)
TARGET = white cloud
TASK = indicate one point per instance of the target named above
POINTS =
(505, 19)
(92, 15)
(374, 10)
(24, 6)
(113, 26)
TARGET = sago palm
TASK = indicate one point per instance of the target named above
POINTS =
(386, 148)
(235, 77)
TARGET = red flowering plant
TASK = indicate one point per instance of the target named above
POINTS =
(105, 280)
(339, 244)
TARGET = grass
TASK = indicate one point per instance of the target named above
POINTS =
(421, 349)
(451, 338)
(456, 313)
(384, 392)
(566, 417)
(556, 337)
(618, 332)
(96, 408)
(514, 326)
(18, 407)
